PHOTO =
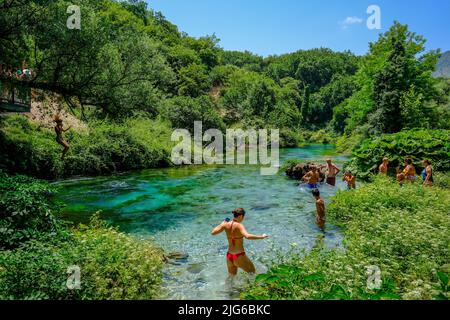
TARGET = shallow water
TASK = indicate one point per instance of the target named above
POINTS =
(178, 207)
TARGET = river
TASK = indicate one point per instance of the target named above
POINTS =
(178, 207)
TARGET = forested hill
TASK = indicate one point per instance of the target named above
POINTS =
(443, 66)
(128, 59)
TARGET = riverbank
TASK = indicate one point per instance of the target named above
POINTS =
(39, 252)
(403, 232)
(178, 207)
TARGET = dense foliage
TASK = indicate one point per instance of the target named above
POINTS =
(26, 211)
(135, 143)
(402, 231)
(418, 145)
(37, 250)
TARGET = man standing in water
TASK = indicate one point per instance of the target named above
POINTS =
(320, 206)
(332, 172)
(236, 232)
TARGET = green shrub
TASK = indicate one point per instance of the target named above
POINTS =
(26, 211)
(346, 144)
(320, 137)
(113, 266)
(28, 149)
(442, 180)
(136, 143)
(403, 231)
(416, 144)
(291, 138)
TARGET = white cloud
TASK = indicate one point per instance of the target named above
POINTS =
(349, 21)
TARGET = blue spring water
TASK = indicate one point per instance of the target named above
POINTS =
(178, 207)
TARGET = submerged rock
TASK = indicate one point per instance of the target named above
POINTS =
(195, 268)
(176, 258)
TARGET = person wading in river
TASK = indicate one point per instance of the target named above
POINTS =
(236, 233)
(320, 207)
(312, 178)
(59, 129)
(332, 172)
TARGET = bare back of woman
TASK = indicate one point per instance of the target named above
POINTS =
(236, 233)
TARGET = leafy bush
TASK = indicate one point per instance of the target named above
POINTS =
(416, 144)
(182, 112)
(136, 143)
(113, 267)
(291, 138)
(320, 137)
(26, 211)
(403, 231)
(442, 180)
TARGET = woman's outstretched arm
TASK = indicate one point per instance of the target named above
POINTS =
(250, 236)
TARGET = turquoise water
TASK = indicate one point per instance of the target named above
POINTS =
(178, 207)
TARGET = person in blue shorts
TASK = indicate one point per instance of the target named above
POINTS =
(312, 178)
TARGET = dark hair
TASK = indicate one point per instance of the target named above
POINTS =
(427, 161)
(316, 193)
(409, 161)
(238, 212)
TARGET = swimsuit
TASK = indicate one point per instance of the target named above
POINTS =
(424, 175)
(312, 186)
(331, 181)
(233, 257)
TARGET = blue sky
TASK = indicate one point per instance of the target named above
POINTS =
(280, 26)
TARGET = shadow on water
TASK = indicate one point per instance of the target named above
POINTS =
(178, 207)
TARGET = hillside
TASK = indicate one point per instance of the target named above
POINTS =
(443, 66)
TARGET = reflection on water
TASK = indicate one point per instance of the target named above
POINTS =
(178, 207)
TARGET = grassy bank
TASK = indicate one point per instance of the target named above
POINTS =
(403, 231)
(37, 248)
(106, 147)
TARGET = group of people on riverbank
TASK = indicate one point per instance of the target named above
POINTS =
(236, 233)
(409, 173)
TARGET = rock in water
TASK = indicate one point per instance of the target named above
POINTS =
(298, 171)
(176, 258)
(195, 268)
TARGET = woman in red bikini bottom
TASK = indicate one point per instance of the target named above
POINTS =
(236, 233)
